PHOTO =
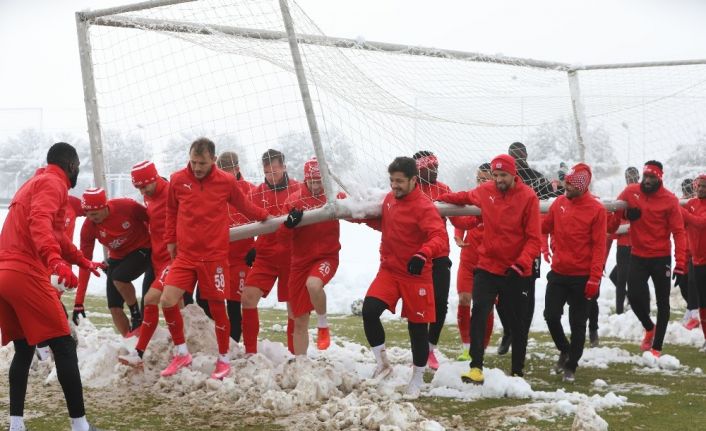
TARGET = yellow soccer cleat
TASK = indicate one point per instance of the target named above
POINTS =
(474, 375)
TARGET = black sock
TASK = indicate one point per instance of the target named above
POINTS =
(135, 311)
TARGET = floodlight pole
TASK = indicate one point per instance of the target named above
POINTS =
(308, 106)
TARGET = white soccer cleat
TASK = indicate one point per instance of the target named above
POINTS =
(132, 359)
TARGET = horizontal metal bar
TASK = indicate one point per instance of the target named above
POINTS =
(91, 14)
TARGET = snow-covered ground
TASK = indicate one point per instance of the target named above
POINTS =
(333, 389)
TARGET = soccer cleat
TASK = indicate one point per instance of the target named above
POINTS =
(569, 376)
(383, 369)
(464, 356)
(473, 375)
(656, 353)
(504, 345)
(414, 389)
(593, 338)
(178, 362)
(323, 338)
(432, 362)
(222, 370)
(692, 323)
(703, 348)
(517, 374)
(560, 365)
(647, 340)
(132, 359)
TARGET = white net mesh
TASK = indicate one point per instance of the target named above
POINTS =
(371, 106)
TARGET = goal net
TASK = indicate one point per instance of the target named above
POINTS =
(224, 69)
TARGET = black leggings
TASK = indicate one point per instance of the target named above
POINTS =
(619, 276)
(66, 360)
(641, 270)
(441, 276)
(375, 332)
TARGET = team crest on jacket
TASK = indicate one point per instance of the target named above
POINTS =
(102, 234)
(126, 224)
(219, 270)
(422, 292)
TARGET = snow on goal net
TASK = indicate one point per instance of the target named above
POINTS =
(223, 69)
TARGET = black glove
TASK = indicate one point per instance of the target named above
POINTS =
(416, 264)
(633, 214)
(78, 310)
(514, 272)
(250, 257)
(294, 217)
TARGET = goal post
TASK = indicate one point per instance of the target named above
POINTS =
(238, 73)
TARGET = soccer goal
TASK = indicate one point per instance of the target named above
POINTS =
(259, 74)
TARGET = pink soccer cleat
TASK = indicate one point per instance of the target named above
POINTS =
(178, 362)
(647, 340)
(323, 338)
(432, 362)
(222, 370)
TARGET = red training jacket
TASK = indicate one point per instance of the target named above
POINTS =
(511, 225)
(471, 235)
(694, 214)
(578, 230)
(34, 232)
(315, 241)
(410, 225)
(272, 245)
(197, 216)
(157, 215)
(661, 216)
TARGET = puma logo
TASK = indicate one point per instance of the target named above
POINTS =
(221, 328)
(637, 196)
(187, 185)
(563, 210)
(421, 314)
(492, 199)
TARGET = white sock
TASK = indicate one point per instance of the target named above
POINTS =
(466, 347)
(182, 350)
(418, 375)
(377, 351)
(17, 423)
(323, 323)
(432, 347)
(79, 424)
(695, 314)
(223, 358)
(43, 352)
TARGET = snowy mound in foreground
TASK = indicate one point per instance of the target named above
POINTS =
(330, 391)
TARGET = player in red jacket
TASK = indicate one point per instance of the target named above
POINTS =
(33, 246)
(511, 241)
(688, 289)
(694, 213)
(121, 226)
(273, 252)
(314, 260)
(577, 223)
(469, 236)
(197, 236)
(428, 167)
(412, 234)
(154, 190)
(654, 216)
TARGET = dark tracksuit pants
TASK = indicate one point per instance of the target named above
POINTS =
(641, 270)
(441, 277)
(513, 293)
(619, 276)
(688, 289)
(561, 290)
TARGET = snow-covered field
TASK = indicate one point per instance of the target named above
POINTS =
(332, 389)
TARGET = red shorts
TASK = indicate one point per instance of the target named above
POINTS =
(212, 277)
(417, 297)
(160, 276)
(238, 273)
(265, 272)
(464, 276)
(299, 300)
(29, 308)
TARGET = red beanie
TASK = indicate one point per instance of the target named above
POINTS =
(94, 199)
(504, 162)
(579, 176)
(143, 173)
(311, 170)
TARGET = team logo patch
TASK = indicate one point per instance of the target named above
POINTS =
(126, 224)
(422, 292)
(219, 270)
(241, 274)
(102, 234)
